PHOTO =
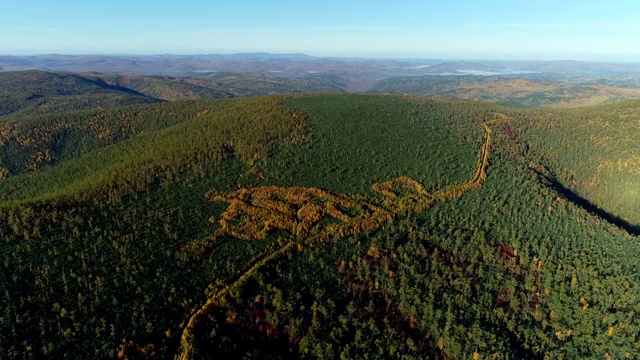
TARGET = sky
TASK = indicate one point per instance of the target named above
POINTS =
(592, 30)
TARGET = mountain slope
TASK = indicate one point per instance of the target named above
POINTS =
(32, 142)
(221, 85)
(592, 151)
(334, 225)
(38, 92)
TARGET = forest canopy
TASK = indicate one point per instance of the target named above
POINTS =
(319, 226)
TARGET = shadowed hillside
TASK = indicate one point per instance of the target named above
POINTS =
(38, 92)
(593, 151)
(221, 85)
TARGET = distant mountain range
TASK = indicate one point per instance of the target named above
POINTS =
(34, 92)
(295, 65)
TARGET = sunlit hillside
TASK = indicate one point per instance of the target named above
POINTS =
(319, 226)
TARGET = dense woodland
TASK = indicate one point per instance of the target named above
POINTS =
(43, 140)
(217, 85)
(593, 151)
(39, 92)
(110, 246)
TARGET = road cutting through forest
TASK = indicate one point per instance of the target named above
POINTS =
(253, 213)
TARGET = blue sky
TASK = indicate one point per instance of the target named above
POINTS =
(467, 29)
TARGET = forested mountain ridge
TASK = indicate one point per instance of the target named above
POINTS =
(222, 85)
(34, 141)
(111, 248)
(39, 92)
(592, 151)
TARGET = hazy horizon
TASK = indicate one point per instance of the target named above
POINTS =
(381, 58)
(458, 29)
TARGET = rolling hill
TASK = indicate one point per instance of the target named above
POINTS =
(320, 226)
(221, 85)
(592, 151)
(43, 93)
(39, 92)
(36, 141)
(509, 91)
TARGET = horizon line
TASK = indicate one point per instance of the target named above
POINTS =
(293, 54)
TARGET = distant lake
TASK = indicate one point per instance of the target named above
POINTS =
(417, 67)
(497, 72)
